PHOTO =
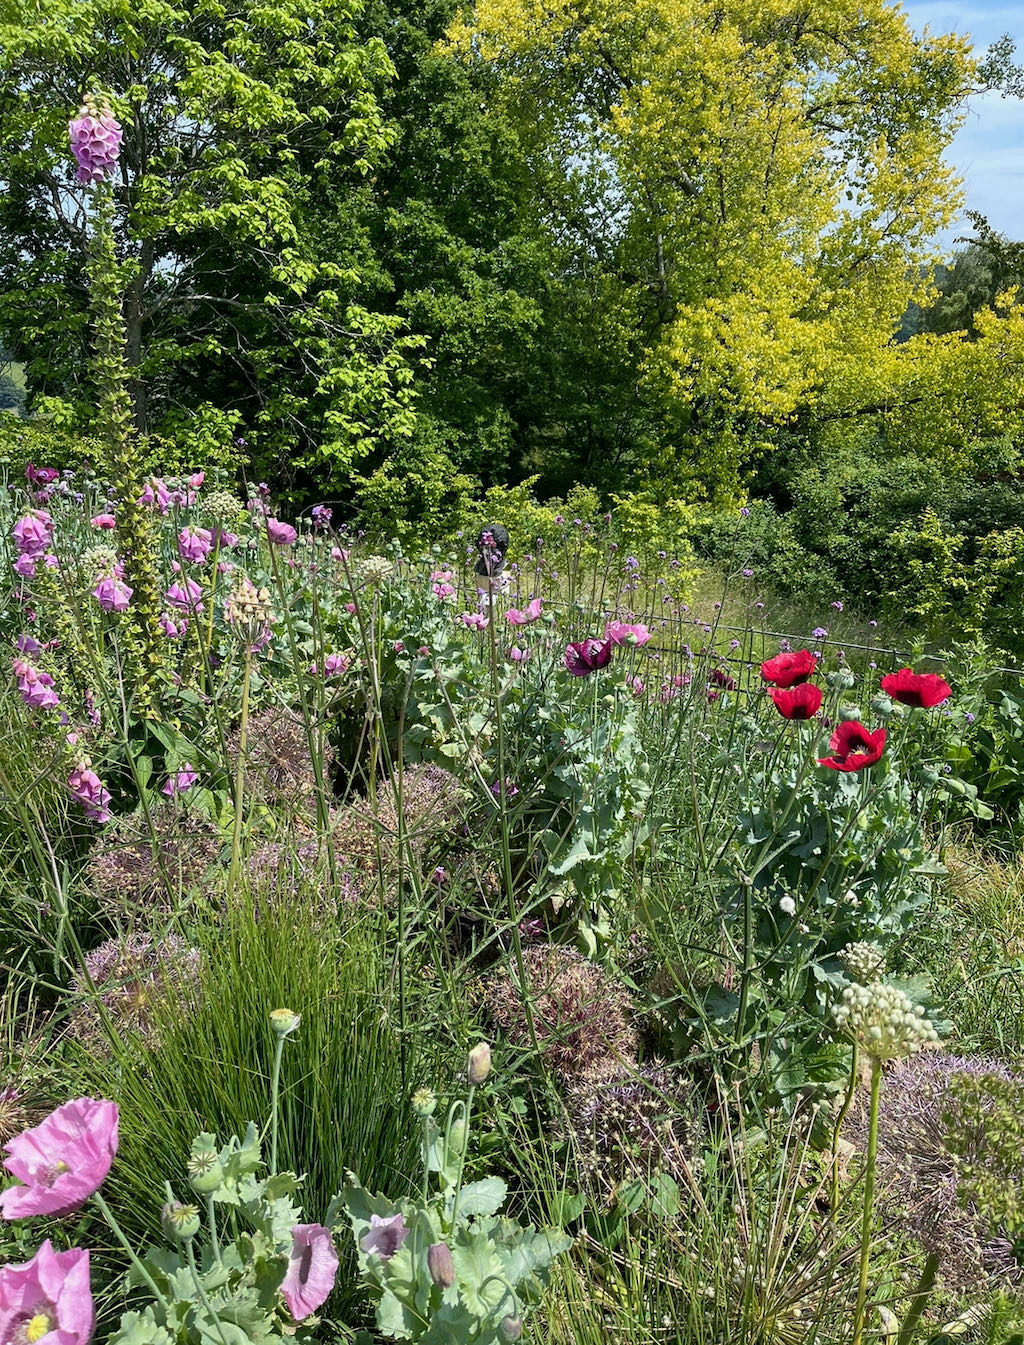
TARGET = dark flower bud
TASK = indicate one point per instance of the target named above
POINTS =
(441, 1265)
(510, 1328)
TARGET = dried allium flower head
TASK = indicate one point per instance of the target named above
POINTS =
(431, 801)
(279, 871)
(863, 962)
(278, 757)
(132, 974)
(883, 1021)
(582, 1017)
(374, 570)
(15, 1113)
(635, 1124)
(919, 1175)
(152, 864)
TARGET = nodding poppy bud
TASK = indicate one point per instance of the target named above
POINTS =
(479, 1065)
(179, 1222)
(441, 1265)
(457, 1137)
(510, 1328)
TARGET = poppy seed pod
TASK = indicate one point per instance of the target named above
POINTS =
(179, 1222)
(479, 1065)
(441, 1265)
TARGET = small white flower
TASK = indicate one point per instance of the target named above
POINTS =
(787, 906)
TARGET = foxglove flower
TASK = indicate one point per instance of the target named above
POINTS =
(312, 1267)
(95, 140)
(921, 691)
(35, 688)
(32, 533)
(185, 596)
(195, 544)
(62, 1161)
(173, 627)
(587, 656)
(88, 789)
(113, 594)
(47, 1299)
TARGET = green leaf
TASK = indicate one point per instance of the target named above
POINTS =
(482, 1197)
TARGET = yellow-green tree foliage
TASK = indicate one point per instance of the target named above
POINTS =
(771, 170)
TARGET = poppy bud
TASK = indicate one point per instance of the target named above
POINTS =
(179, 1222)
(441, 1265)
(424, 1102)
(204, 1170)
(284, 1022)
(479, 1065)
(457, 1137)
(510, 1328)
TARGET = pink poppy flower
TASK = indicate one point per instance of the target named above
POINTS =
(619, 632)
(385, 1237)
(518, 655)
(113, 594)
(103, 521)
(196, 480)
(526, 616)
(195, 544)
(48, 1298)
(312, 1267)
(587, 656)
(281, 534)
(62, 1161)
(473, 620)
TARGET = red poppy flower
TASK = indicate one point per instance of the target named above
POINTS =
(853, 747)
(799, 702)
(585, 657)
(789, 669)
(921, 690)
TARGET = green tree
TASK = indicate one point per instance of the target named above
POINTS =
(237, 119)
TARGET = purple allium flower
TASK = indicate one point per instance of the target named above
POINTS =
(385, 1237)
(113, 594)
(837, 606)
(88, 789)
(744, 512)
(95, 140)
(195, 544)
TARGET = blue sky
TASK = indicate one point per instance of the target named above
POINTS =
(988, 153)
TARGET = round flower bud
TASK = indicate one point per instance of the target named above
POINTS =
(457, 1137)
(284, 1022)
(883, 1021)
(179, 1222)
(479, 1064)
(862, 961)
(204, 1170)
(424, 1103)
(441, 1265)
(510, 1328)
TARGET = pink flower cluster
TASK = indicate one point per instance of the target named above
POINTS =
(334, 666)
(35, 688)
(195, 544)
(112, 593)
(95, 141)
(161, 495)
(33, 534)
(441, 585)
(87, 787)
(474, 620)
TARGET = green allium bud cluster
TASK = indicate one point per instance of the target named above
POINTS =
(374, 570)
(247, 611)
(863, 962)
(222, 505)
(883, 1021)
(98, 562)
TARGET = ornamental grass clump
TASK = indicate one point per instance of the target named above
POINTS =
(582, 1017)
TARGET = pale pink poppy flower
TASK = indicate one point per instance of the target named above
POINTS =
(62, 1161)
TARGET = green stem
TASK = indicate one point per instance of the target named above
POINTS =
(275, 1081)
(211, 1215)
(462, 1155)
(236, 835)
(840, 1120)
(202, 1292)
(917, 1304)
(141, 1270)
(869, 1200)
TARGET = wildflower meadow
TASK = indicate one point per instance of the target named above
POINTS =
(534, 920)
